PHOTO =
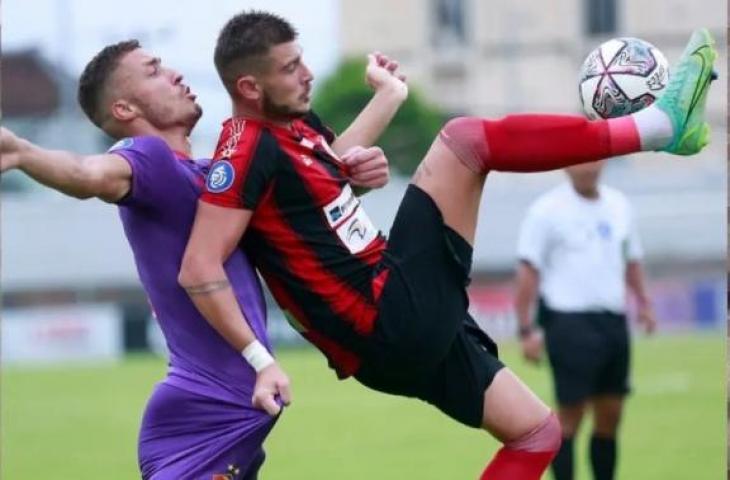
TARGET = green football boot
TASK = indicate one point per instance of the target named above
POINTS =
(686, 94)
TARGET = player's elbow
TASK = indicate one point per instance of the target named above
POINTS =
(193, 269)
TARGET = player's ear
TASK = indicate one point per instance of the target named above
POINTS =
(124, 111)
(248, 88)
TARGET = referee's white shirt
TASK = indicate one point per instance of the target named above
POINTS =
(580, 247)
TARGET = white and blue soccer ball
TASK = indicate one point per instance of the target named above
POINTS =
(622, 76)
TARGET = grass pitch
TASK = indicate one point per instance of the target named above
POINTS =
(81, 422)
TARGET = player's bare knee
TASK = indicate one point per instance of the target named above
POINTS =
(465, 137)
(546, 437)
(606, 425)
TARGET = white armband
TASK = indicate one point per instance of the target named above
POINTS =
(257, 356)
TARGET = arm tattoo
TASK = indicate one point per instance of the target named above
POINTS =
(210, 287)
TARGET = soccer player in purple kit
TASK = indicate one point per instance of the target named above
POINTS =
(201, 420)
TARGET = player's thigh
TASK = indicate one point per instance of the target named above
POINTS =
(455, 385)
(424, 300)
(456, 190)
(614, 379)
(511, 409)
(577, 355)
(474, 387)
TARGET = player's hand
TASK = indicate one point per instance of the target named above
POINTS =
(368, 167)
(532, 346)
(271, 390)
(647, 319)
(10, 146)
(382, 73)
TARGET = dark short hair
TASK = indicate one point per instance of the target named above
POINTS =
(95, 78)
(246, 38)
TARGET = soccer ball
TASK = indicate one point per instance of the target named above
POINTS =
(622, 76)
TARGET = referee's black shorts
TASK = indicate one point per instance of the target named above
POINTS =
(589, 353)
(425, 344)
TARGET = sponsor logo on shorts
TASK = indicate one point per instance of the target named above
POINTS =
(220, 177)
(122, 144)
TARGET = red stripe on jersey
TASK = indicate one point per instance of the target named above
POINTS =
(302, 263)
(235, 145)
(345, 362)
(379, 284)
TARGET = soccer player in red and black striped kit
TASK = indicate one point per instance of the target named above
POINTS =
(393, 313)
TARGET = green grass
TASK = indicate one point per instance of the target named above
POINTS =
(81, 422)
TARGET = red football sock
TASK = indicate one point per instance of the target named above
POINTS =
(528, 457)
(535, 143)
(517, 465)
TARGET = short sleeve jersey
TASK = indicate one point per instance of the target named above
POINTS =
(309, 235)
(580, 247)
(157, 215)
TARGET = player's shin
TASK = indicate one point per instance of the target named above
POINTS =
(540, 142)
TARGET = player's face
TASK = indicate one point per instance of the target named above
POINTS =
(157, 91)
(286, 83)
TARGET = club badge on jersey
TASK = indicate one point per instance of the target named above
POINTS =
(221, 176)
(121, 144)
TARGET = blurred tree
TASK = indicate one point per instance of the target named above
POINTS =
(343, 94)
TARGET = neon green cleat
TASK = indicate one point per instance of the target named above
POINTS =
(686, 95)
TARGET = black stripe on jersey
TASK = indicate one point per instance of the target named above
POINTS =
(322, 240)
(270, 261)
(262, 168)
(313, 120)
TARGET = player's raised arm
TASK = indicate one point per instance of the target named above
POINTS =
(216, 233)
(106, 176)
(391, 91)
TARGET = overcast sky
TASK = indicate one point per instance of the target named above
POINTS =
(182, 32)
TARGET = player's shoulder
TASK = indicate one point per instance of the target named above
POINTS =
(312, 120)
(612, 193)
(242, 138)
(147, 144)
(615, 197)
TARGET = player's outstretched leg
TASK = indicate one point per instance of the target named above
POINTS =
(529, 143)
(454, 169)
(528, 429)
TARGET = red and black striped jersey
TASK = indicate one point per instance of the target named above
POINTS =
(309, 235)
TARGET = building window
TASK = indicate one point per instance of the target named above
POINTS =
(600, 17)
(449, 23)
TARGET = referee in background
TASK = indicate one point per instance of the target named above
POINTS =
(578, 253)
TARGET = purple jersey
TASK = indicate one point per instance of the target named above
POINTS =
(158, 215)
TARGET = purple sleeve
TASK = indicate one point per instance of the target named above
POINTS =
(153, 166)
